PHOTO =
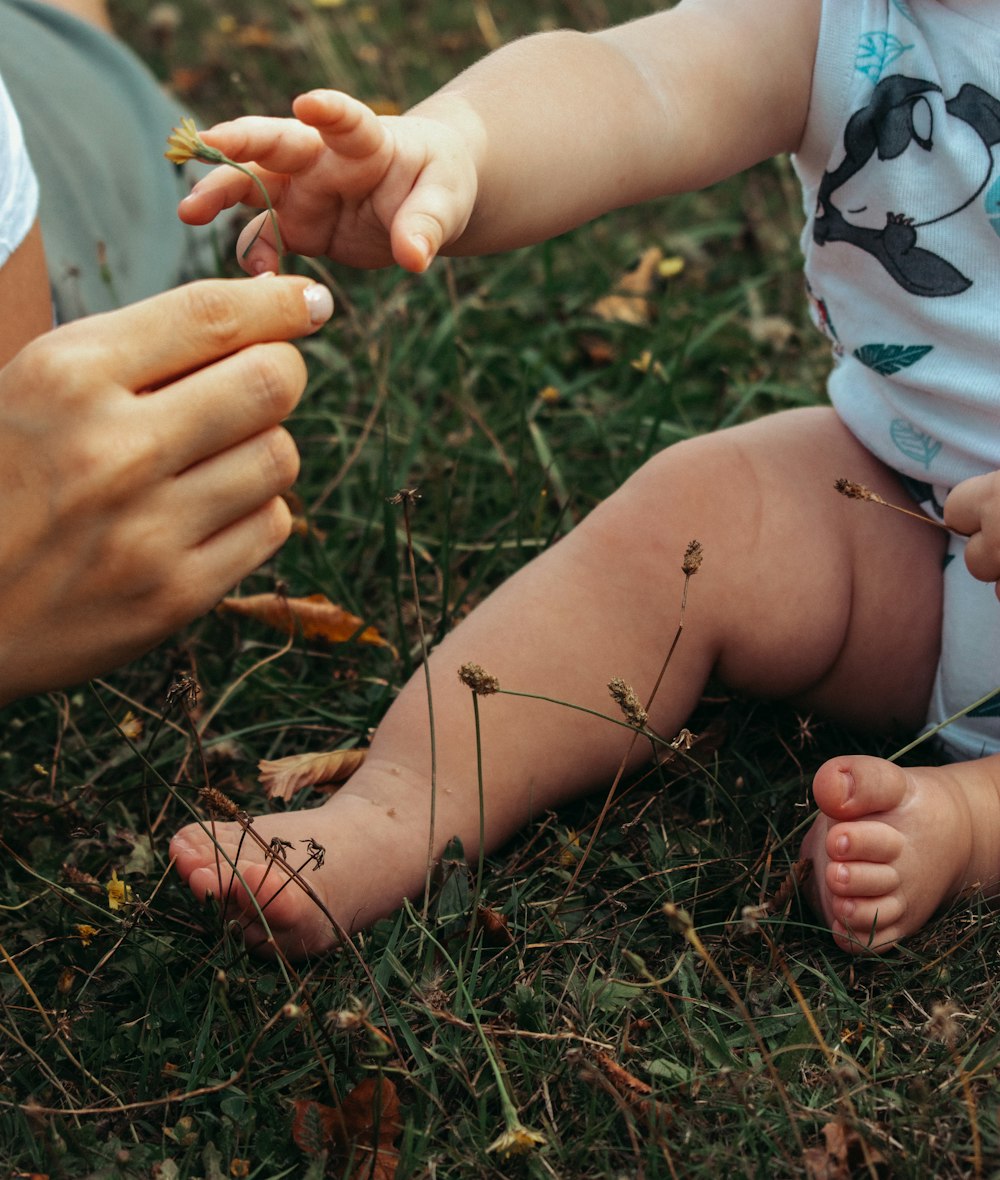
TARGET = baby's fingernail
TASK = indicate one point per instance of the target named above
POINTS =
(260, 271)
(320, 304)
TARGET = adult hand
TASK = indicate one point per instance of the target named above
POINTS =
(141, 466)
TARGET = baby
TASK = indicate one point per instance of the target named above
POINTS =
(887, 108)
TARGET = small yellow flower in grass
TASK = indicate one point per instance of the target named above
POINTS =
(184, 143)
(119, 894)
(239, 1167)
(86, 933)
(517, 1140)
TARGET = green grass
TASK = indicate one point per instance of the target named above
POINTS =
(159, 1044)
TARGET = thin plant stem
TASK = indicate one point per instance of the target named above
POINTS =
(405, 498)
(692, 562)
(481, 858)
(936, 729)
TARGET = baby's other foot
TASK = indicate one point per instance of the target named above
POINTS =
(893, 844)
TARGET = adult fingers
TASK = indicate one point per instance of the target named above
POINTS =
(256, 250)
(146, 345)
(223, 404)
(209, 570)
(218, 492)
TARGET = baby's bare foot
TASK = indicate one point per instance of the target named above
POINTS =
(896, 843)
(355, 858)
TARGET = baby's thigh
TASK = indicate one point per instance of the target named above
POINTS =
(801, 591)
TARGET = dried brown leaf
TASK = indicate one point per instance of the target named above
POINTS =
(282, 778)
(314, 617)
(362, 1130)
(844, 1155)
(628, 303)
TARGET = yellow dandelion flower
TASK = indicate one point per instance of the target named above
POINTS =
(517, 1140)
(184, 143)
(119, 894)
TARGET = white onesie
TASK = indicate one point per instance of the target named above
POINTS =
(900, 167)
(18, 186)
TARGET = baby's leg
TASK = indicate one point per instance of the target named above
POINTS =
(801, 593)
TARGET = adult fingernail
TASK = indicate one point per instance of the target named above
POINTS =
(319, 301)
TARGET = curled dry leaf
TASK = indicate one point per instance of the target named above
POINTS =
(628, 303)
(282, 778)
(363, 1129)
(314, 617)
(845, 1155)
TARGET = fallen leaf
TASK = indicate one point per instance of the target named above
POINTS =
(186, 80)
(494, 926)
(282, 778)
(632, 1090)
(362, 1131)
(314, 617)
(628, 303)
(844, 1155)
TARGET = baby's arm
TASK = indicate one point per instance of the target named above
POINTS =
(542, 135)
(973, 509)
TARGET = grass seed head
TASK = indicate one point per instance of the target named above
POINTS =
(693, 556)
(476, 677)
(218, 805)
(624, 696)
(857, 491)
(943, 1025)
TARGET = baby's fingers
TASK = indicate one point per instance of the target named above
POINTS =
(348, 127)
(967, 502)
(222, 189)
(435, 213)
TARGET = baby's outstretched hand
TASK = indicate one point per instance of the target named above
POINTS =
(973, 509)
(361, 189)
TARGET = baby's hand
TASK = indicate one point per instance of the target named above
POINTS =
(973, 508)
(344, 183)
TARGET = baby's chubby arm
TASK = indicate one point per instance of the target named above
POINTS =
(542, 135)
(973, 509)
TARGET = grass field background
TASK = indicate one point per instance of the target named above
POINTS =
(143, 1042)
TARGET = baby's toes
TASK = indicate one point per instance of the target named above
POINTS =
(857, 785)
(864, 840)
(868, 918)
(860, 878)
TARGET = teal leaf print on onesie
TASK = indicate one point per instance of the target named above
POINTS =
(876, 51)
(904, 10)
(993, 205)
(887, 359)
(913, 443)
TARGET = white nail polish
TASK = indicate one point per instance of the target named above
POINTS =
(319, 301)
